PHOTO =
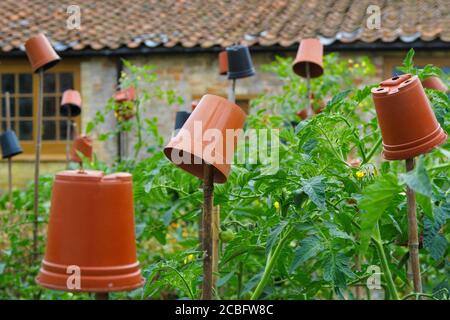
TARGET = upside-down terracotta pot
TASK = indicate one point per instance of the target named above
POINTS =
(10, 144)
(434, 83)
(83, 145)
(240, 63)
(407, 122)
(302, 114)
(71, 101)
(128, 94)
(41, 53)
(309, 52)
(203, 138)
(91, 227)
(180, 119)
(223, 63)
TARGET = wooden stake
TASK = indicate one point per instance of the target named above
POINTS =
(69, 136)
(215, 242)
(413, 238)
(207, 239)
(36, 164)
(309, 110)
(101, 296)
(8, 127)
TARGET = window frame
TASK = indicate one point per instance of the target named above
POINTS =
(51, 150)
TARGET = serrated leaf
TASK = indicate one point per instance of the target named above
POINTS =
(376, 198)
(418, 179)
(315, 189)
(308, 248)
(434, 242)
(337, 269)
(336, 233)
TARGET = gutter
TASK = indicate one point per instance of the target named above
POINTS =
(418, 45)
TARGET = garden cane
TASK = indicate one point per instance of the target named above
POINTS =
(69, 135)
(309, 109)
(37, 161)
(413, 239)
(207, 233)
(8, 127)
(409, 128)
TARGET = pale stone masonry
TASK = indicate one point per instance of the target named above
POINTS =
(191, 76)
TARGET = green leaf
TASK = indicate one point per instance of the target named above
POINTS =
(433, 241)
(337, 269)
(418, 179)
(315, 189)
(225, 279)
(376, 198)
(308, 248)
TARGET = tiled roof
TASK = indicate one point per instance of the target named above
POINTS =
(110, 24)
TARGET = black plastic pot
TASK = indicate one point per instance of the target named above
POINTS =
(10, 144)
(240, 63)
(181, 118)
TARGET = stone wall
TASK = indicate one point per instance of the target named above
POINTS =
(191, 75)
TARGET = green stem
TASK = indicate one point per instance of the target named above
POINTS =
(184, 281)
(384, 262)
(373, 150)
(271, 259)
(139, 130)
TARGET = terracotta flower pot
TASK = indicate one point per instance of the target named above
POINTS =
(434, 83)
(41, 53)
(309, 52)
(10, 144)
(223, 63)
(128, 94)
(180, 119)
(91, 226)
(407, 122)
(240, 63)
(203, 138)
(82, 144)
(71, 100)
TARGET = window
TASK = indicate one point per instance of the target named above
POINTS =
(242, 101)
(17, 79)
(391, 64)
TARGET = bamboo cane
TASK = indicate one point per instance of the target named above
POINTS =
(413, 238)
(68, 135)
(101, 296)
(36, 164)
(309, 110)
(8, 127)
(207, 236)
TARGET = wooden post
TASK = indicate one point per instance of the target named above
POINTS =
(101, 296)
(413, 238)
(215, 244)
(8, 127)
(309, 110)
(207, 237)
(36, 164)
(69, 136)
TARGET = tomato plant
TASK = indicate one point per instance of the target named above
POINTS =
(317, 228)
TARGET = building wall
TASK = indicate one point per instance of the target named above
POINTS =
(191, 76)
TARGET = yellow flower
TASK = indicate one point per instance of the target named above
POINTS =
(189, 258)
(276, 204)
(360, 174)
(350, 60)
(357, 65)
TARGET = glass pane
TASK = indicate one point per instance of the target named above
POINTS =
(25, 107)
(13, 107)
(25, 83)
(26, 130)
(49, 83)
(49, 106)
(4, 127)
(65, 81)
(8, 82)
(49, 130)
